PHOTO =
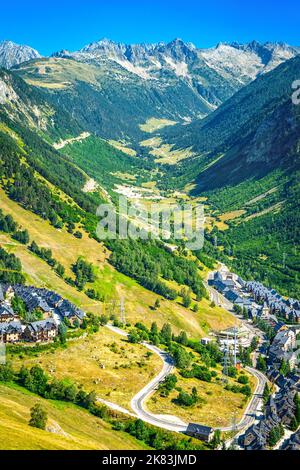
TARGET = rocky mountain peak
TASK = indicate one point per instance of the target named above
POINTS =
(178, 48)
(12, 54)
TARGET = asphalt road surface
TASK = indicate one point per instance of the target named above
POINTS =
(138, 401)
(169, 422)
(254, 405)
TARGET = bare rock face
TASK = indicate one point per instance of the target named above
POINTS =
(212, 74)
(238, 63)
(12, 54)
(55, 428)
(6, 93)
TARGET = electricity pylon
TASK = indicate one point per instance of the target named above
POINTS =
(114, 304)
(226, 361)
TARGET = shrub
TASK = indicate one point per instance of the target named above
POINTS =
(243, 379)
(38, 417)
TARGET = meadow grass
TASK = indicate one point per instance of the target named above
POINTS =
(72, 427)
(154, 124)
(216, 408)
(104, 362)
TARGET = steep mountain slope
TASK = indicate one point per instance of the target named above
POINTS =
(244, 62)
(162, 64)
(245, 148)
(50, 186)
(26, 124)
(40, 125)
(109, 100)
(238, 64)
(13, 54)
(248, 166)
(252, 133)
(28, 106)
(262, 239)
(69, 427)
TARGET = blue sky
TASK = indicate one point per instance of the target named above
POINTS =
(51, 25)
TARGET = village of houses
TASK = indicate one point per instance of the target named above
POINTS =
(257, 302)
(261, 303)
(252, 297)
(50, 306)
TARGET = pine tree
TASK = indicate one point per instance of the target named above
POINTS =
(166, 333)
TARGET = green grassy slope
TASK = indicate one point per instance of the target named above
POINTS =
(72, 428)
(108, 100)
(263, 243)
(254, 132)
(248, 159)
(106, 164)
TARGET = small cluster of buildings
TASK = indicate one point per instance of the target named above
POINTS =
(258, 300)
(232, 339)
(280, 410)
(51, 306)
(231, 286)
(198, 431)
(294, 442)
(283, 348)
(265, 304)
(288, 310)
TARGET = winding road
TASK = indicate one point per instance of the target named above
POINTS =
(172, 423)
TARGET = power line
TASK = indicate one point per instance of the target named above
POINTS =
(235, 346)
(226, 360)
(122, 311)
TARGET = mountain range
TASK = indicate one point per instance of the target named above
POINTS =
(251, 133)
(174, 81)
(240, 63)
(225, 128)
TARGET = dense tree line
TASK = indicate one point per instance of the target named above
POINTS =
(23, 185)
(264, 248)
(276, 433)
(243, 389)
(148, 262)
(10, 268)
(9, 225)
(186, 399)
(84, 273)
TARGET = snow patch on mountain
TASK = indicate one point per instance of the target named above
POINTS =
(180, 68)
(135, 69)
